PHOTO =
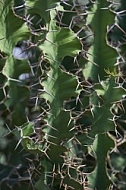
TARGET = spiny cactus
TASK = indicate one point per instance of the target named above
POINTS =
(65, 123)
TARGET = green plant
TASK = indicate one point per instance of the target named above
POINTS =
(63, 123)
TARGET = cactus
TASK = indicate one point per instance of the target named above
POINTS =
(62, 95)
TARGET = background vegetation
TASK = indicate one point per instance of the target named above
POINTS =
(62, 94)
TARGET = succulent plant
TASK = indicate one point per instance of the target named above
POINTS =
(62, 94)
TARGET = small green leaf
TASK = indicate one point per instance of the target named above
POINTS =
(27, 129)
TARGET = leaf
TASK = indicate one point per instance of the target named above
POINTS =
(60, 42)
(99, 178)
(12, 29)
(38, 16)
(14, 68)
(109, 90)
(17, 99)
(59, 86)
(102, 117)
(101, 55)
(27, 129)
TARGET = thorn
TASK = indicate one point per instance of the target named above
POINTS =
(10, 131)
(15, 80)
(52, 127)
(18, 143)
